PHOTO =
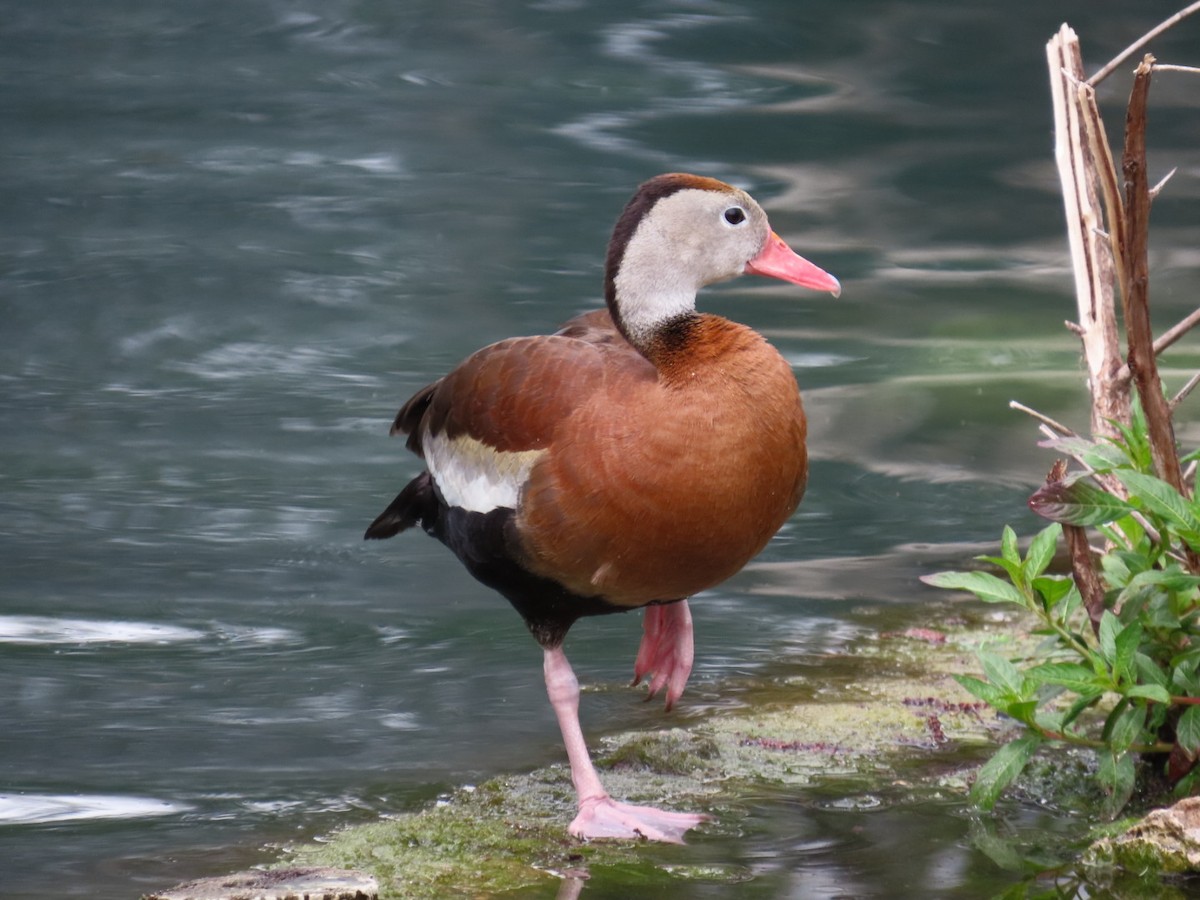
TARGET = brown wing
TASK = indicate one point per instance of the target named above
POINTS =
(512, 395)
(595, 327)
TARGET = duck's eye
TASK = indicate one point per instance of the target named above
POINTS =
(735, 215)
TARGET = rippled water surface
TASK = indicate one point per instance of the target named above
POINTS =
(236, 235)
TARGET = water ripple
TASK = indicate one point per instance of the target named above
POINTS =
(38, 809)
(49, 630)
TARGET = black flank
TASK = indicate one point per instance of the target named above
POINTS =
(486, 543)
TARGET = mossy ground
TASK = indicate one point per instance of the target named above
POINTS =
(883, 723)
(886, 713)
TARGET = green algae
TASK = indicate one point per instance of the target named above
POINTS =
(506, 835)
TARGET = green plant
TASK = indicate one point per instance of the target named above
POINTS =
(1118, 672)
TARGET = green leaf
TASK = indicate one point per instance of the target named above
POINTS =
(1172, 578)
(1116, 569)
(1072, 676)
(1052, 588)
(1124, 726)
(1186, 660)
(1003, 674)
(988, 693)
(1155, 692)
(1014, 570)
(1023, 711)
(1187, 785)
(1126, 532)
(1041, 550)
(1134, 441)
(1077, 502)
(999, 771)
(1164, 501)
(1008, 546)
(1187, 731)
(1099, 456)
(1110, 627)
(1156, 717)
(1084, 702)
(984, 585)
(1125, 645)
(1051, 721)
(1069, 605)
(1149, 671)
(1116, 773)
(1185, 679)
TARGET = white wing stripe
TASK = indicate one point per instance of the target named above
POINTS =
(475, 477)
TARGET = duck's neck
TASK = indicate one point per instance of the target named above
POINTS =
(703, 350)
(651, 305)
(656, 337)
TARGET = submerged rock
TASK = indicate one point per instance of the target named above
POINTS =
(292, 883)
(1166, 840)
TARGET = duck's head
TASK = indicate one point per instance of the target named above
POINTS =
(682, 232)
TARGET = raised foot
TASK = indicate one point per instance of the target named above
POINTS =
(666, 649)
(604, 817)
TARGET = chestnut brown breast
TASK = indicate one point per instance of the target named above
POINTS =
(656, 488)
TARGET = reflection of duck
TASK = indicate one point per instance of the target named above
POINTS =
(639, 455)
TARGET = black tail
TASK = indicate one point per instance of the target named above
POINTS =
(417, 501)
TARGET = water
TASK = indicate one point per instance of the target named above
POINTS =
(236, 236)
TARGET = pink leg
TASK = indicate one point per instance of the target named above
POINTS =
(666, 649)
(599, 815)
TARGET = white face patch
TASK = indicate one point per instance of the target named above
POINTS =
(475, 477)
(682, 244)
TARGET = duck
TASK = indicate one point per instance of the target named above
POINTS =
(639, 455)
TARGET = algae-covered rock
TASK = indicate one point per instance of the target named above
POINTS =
(873, 721)
(1166, 840)
(506, 836)
(673, 752)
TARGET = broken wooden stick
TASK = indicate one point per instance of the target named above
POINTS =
(1141, 42)
(1135, 291)
(1092, 259)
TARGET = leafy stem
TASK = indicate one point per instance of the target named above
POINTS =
(1118, 674)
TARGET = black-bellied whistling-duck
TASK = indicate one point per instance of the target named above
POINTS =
(639, 455)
